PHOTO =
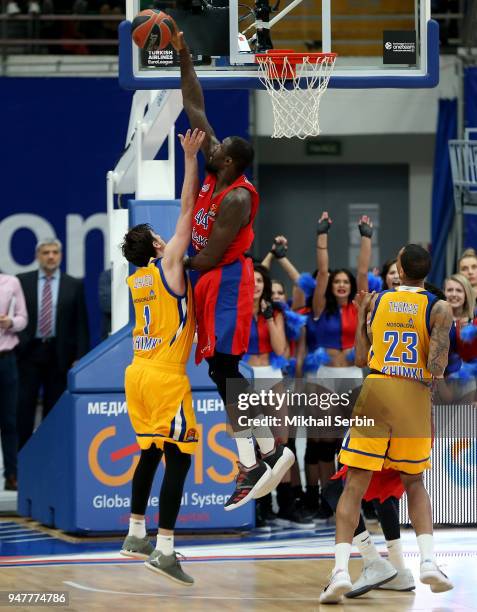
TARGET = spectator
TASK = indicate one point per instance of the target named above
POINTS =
(13, 318)
(467, 265)
(104, 294)
(459, 294)
(390, 275)
(55, 337)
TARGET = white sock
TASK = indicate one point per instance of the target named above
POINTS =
(246, 448)
(165, 544)
(366, 547)
(395, 554)
(425, 542)
(264, 437)
(342, 554)
(137, 527)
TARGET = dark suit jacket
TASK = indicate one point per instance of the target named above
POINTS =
(72, 331)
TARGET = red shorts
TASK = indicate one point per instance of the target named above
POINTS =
(384, 484)
(224, 309)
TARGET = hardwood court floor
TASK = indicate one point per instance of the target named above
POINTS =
(262, 586)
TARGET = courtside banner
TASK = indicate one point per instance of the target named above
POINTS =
(107, 453)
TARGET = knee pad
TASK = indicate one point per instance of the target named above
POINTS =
(312, 452)
(326, 450)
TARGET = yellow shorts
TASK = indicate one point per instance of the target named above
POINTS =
(160, 406)
(392, 426)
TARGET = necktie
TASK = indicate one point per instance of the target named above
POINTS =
(46, 310)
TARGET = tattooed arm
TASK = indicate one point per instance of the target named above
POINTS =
(441, 322)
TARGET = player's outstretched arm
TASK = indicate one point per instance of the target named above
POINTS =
(441, 322)
(193, 96)
(322, 263)
(177, 246)
(234, 214)
(365, 226)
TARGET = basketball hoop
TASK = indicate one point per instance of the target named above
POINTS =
(295, 82)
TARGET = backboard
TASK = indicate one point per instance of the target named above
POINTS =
(380, 43)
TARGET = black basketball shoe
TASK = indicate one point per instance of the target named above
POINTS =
(248, 481)
(280, 460)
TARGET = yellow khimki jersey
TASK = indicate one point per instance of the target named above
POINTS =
(400, 326)
(397, 431)
(165, 322)
(158, 392)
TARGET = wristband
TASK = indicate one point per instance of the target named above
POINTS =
(323, 227)
(268, 312)
(187, 263)
(365, 230)
(280, 250)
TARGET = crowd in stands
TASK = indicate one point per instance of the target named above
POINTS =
(73, 31)
(450, 19)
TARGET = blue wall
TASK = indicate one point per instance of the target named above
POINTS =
(60, 137)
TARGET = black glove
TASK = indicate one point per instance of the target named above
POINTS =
(323, 226)
(268, 311)
(365, 229)
(280, 250)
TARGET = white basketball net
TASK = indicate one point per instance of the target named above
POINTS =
(296, 110)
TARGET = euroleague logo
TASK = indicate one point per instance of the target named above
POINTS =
(192, 435)
(461, 463)
(388, 45)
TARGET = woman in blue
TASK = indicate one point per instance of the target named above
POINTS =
(330, 333)
(267, 334)
(334, 320)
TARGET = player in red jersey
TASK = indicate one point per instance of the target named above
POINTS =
(222, 232)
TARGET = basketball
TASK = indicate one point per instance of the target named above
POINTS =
(153, 29)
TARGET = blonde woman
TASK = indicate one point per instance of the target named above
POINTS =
(460, 295)
(467, 265)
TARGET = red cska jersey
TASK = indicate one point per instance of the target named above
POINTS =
(206, 210)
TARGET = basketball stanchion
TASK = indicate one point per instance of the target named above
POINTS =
(295, 83)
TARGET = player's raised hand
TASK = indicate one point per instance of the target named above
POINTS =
(192, 142)
(365, 226)
(280, 247)
(324, 223)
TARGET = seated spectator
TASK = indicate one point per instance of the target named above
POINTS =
(13, 318)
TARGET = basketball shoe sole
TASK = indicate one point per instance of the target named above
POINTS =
(136, 548)
(434, 577)
(375, 574)
(280, 461)
(248, 481)
(339, 584)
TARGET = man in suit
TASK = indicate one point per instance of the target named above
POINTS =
(56, 335)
